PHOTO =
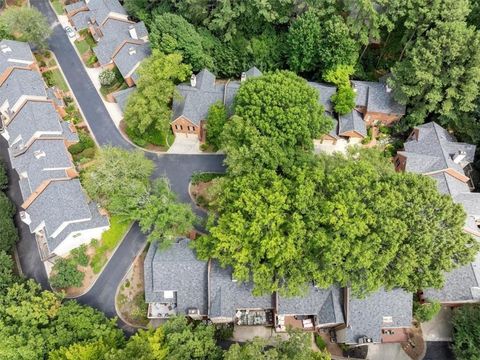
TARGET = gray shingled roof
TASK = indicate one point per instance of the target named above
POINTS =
(194, 102)
(366, 316)
(253, 72)
(61, 201)
(376, 98)
(325, 92)
(96, 221)
(227, 296)
(461, 284)
(434, 150)
(121, 97)
(352, 121)
(48, 167)
(21, 82)
(129, 56)
(14, 53)
(81, 20)
(115, 33)
(326, 304)
(74, 6)
(34, 116)
(176, 269)
(102, 8)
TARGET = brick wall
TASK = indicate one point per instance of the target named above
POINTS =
(184, 126)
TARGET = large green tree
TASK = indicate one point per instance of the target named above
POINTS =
(316, 45)
(149, 107)
(119, 180)
(216, 119)
(297, 347)
(277, 117)
(26, 24)
(347, 221)
(466, 332)
(35, 322)
(162, 216)
(171, 33)
(440, 74)
(8, 231)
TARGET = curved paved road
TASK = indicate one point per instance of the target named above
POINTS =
(177, 168)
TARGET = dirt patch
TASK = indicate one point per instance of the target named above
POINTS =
(203, 195)
(17, 3)
(415, 346)
(131, 295)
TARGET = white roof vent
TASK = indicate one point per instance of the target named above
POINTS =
(39, 154)
(459, 156)
(133, 32)
(6, 49)
(25, 217)
(387, 319)
(243, 77)
(168, 294)
(388, 89)
(23, 175)
(193, 80)
(132, 51)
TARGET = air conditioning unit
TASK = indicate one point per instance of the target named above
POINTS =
(193, 311)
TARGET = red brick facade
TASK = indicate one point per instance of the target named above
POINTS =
(182, 125)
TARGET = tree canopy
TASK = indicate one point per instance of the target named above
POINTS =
(149, 107)
(119, 180)
(466, 332)
(171, 33)
(26, 24)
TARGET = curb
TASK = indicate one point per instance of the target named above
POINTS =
(17, 261)
(119, 314)
(104, 266)
(193, 199)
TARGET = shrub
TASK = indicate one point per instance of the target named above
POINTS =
(79, 255)
(3, 177)
(92, 60)
(85, 142)
(466, 332)
(48, 76)
(425, 312)
(204, 177)
(106, 77)
(223, 332)
(320, 342)
(66, 274)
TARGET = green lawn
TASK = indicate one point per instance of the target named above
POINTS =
(58, 6)
(82, 46)
(55, 78)
(87, 43)
(110, 239)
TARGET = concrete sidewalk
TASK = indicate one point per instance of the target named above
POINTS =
(391, 351)
(440, 327)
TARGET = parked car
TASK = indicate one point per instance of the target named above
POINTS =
(70, 32)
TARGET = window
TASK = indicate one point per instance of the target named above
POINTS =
(188, 127)
(181, 127)
(397, 162)
(193, 128)
(176, 127)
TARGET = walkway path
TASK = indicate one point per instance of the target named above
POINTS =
(177, 168)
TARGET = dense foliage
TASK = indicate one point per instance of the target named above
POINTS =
(216, 118)
(120, 181)
(466, 332)
(423, 312)
(431, 46)
(148, 109)
(286, 217)
(8, 232)
(25, 24)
